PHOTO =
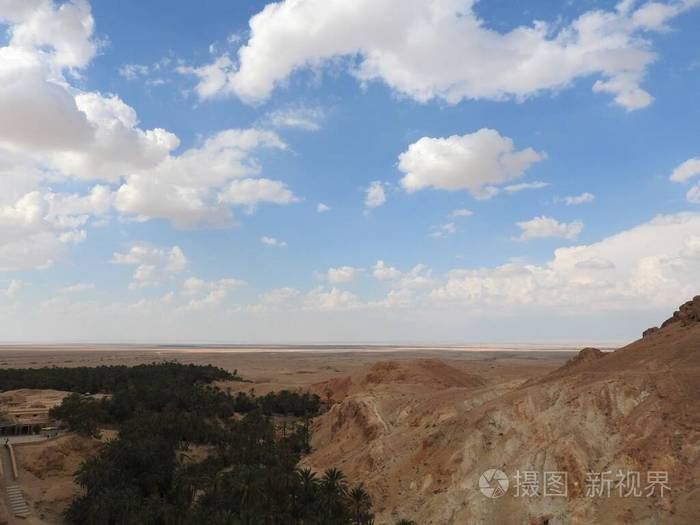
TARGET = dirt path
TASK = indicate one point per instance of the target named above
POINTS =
(375, 409)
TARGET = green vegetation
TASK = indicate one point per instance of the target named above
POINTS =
(188, 453)
(92, 380)
(82, 414)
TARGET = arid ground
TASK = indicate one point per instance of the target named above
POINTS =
(419, 426)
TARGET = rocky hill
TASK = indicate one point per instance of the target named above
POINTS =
(618, 415)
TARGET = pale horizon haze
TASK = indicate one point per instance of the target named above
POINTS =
(334, 171)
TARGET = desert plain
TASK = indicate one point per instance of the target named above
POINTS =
(420, 427)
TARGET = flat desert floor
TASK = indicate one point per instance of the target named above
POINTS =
(296, 367)
(415, 424)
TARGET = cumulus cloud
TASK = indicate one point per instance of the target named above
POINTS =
(544, 227)
(133, 71)
(396, 41)
(154, 264)
(462, 212)
(278, 297)
(12, 289)
(375, 195)
(333, 299)
(342, 274)
(35, 227)
(444, 230)
(76, 288)
(686, 171)
(272, 241)
(583, 198)
(307, 118)
(208, 293)
(535, 185)
(251, 192)
(420, 276)
(322, 208)
(79, 134)
(383, 272)
(62, 31)
(649, 265)
(631, 274)
(476, 162)
(198, 186)
(54, 130)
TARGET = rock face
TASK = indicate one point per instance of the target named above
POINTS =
(633, 410)
(650, 331)
(400, 375)
(585, 355)
(688, 314)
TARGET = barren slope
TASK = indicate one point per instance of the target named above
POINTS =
(636, 409)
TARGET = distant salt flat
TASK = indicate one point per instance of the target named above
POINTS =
(310, 348)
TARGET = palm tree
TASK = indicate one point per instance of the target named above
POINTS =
(334, 481)
(333, 491)
(360, 504)
(307, 477)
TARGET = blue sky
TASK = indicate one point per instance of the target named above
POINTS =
(163, 165)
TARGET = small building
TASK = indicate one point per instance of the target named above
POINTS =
(21, 421)
(49, 432)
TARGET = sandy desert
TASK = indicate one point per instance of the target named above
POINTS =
(418, 426)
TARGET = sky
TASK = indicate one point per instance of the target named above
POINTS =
(356, 171)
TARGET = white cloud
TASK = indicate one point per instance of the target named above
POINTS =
(444, 230)
(342, 274)
(197, 186)
(279, 296)
(37, 251)
(420, 276)
(374, 195)
(322, 208)
(535, 185)
(195, 286)
(13, 288)
(333, 299)
(147, 73)
(77, 288)
(271, 241)
(208, 293)
(35, 227)
(133, 71)
(307, 118)
(687, 170)
(154, 264)
(618, 285)
(117, 146)
(693, 194)
(462, 212)
(395, 299)
(396, 41)
(212, 77)
(383, 272)
(62, 30)
(251, 192)
(574, 200)
(476, 162)
(37, 112)
(544, 227)
(649, 265)
(595, 263)
(55, 130)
